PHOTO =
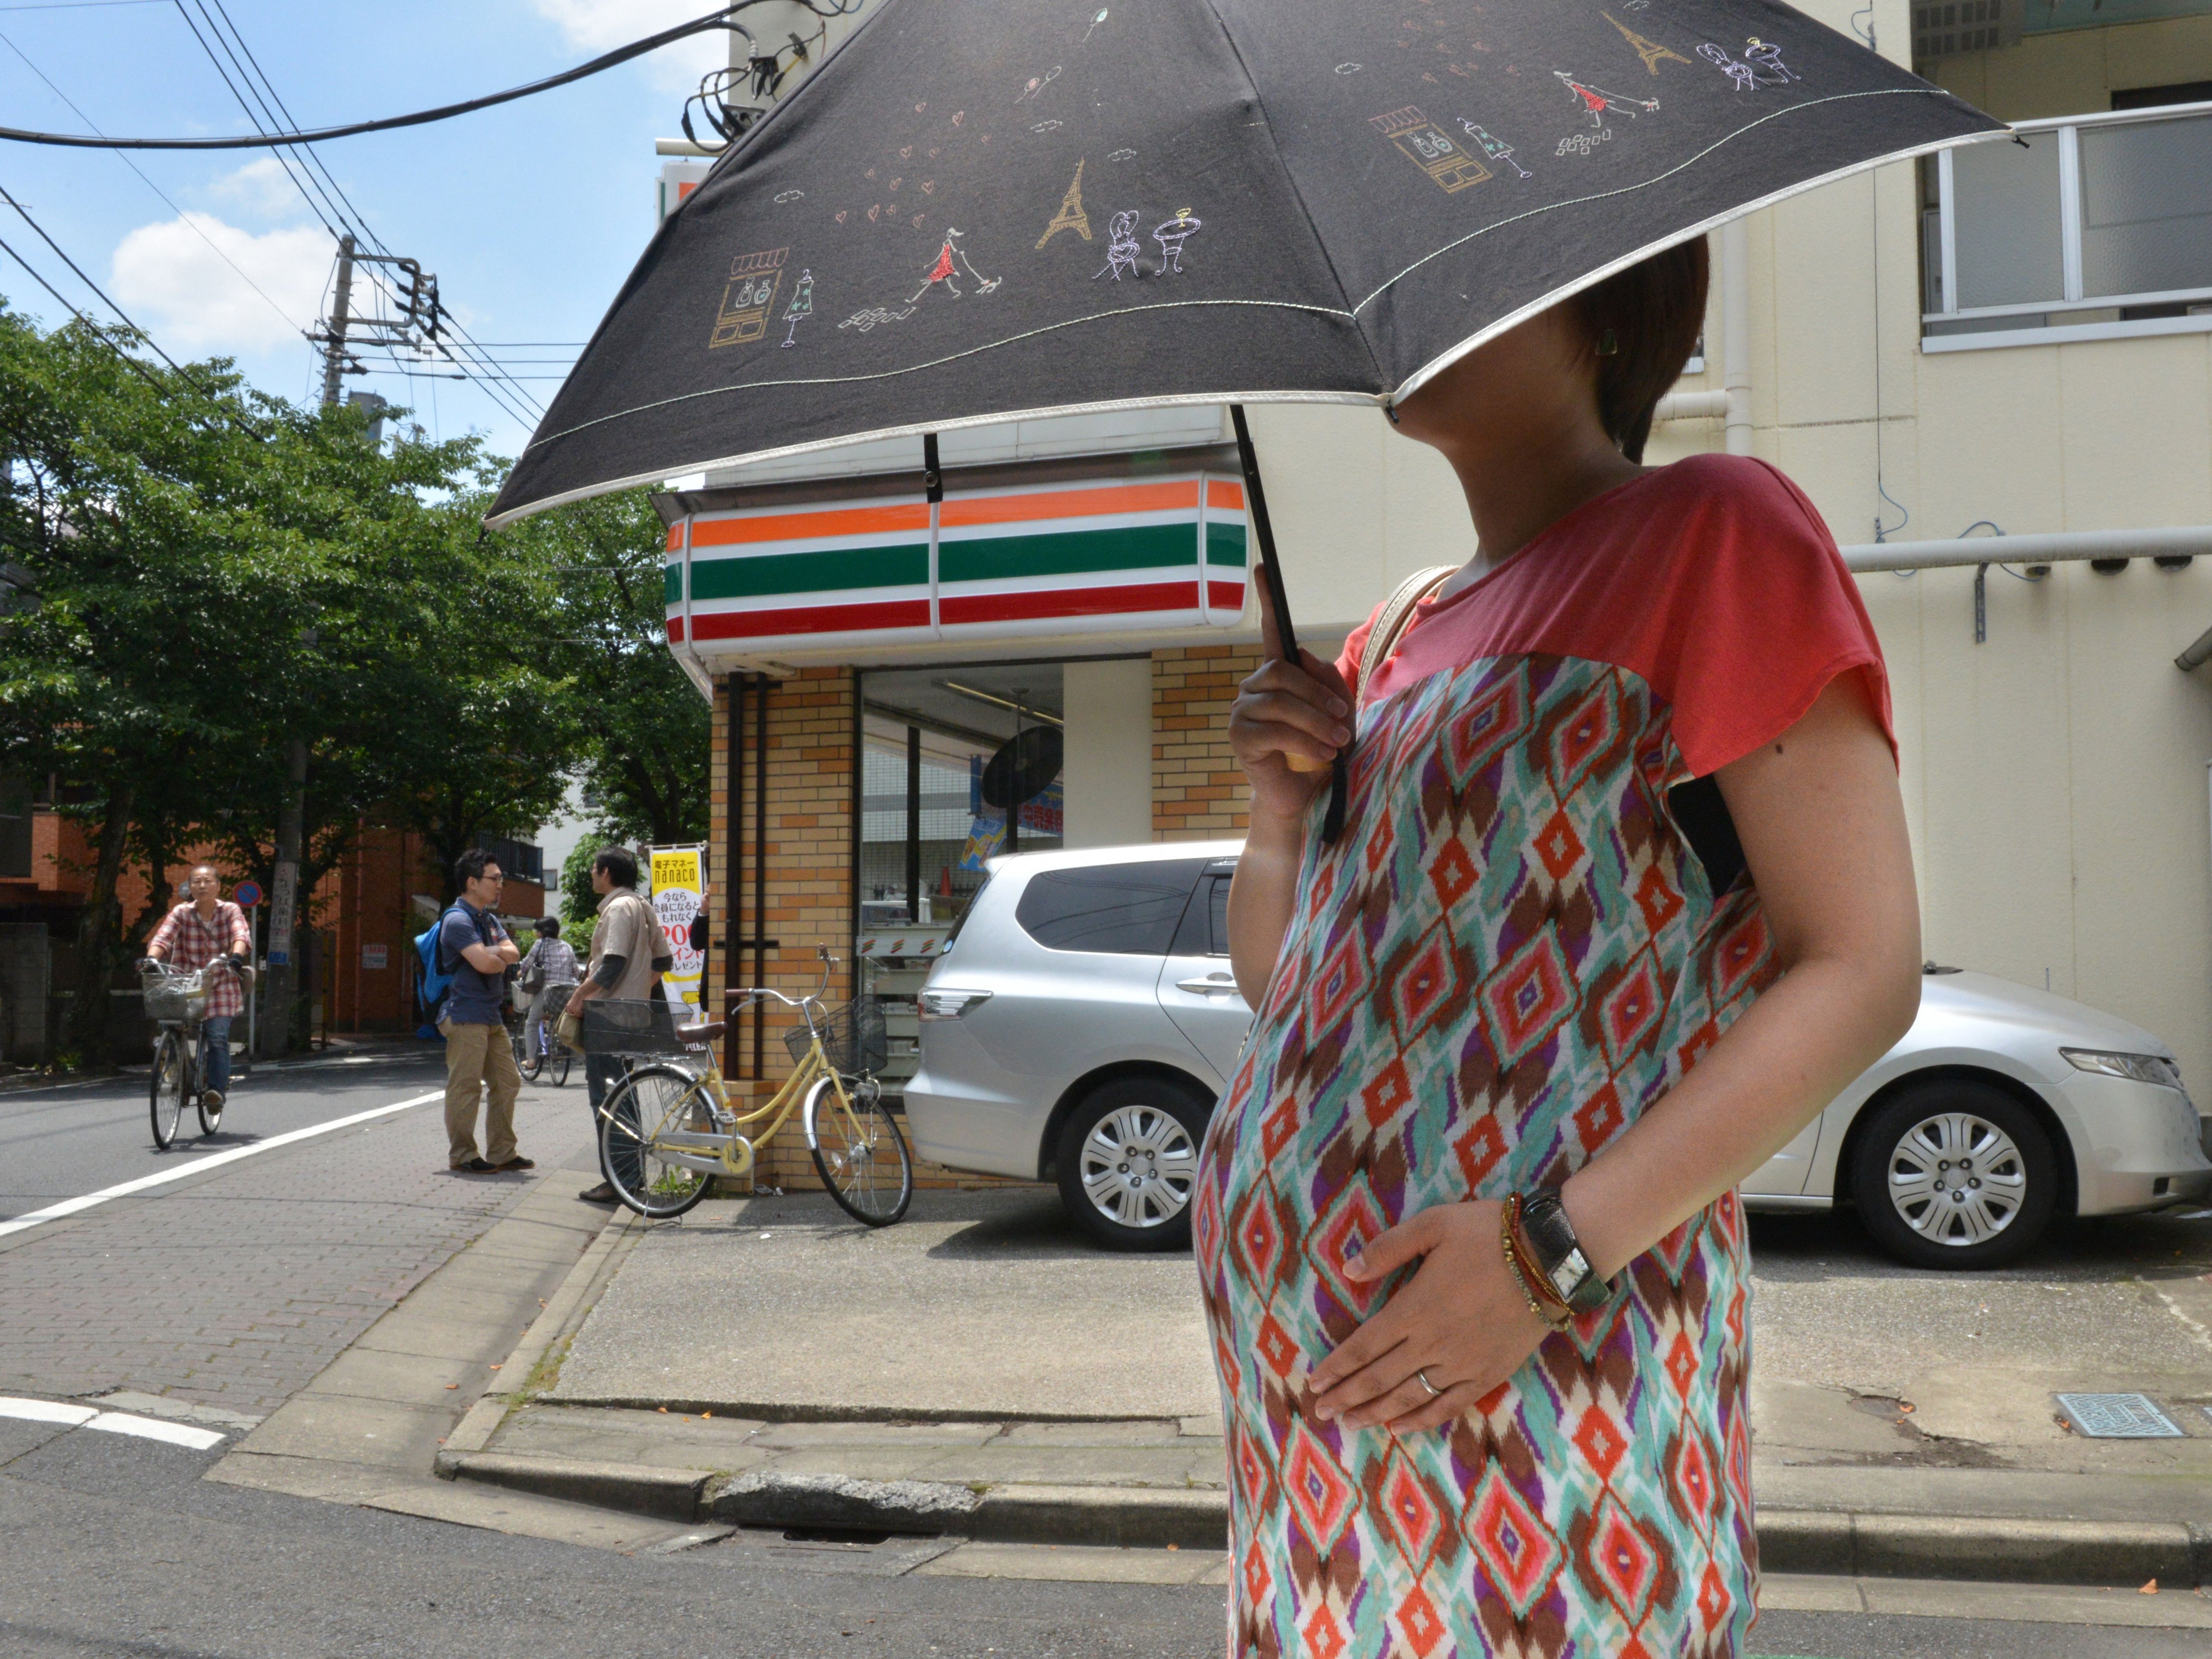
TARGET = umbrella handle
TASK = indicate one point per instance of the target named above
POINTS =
(1287, 636)
(1263, 531)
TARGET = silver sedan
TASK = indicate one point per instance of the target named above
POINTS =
(1083, 1020)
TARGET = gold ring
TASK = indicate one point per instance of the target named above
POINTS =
(1435, 1393)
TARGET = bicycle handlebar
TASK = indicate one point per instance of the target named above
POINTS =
(738, 998)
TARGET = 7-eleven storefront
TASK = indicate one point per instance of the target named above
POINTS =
(870, 652)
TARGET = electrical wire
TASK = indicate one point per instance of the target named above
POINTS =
(183, 217)
(444, 113)
(25, 215)
(98, 332)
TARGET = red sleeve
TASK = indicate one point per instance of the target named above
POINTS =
(1758, 615)
(165, 936)
(241, 940)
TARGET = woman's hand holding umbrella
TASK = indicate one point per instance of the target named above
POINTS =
(1455, 1330)
(1301, 709)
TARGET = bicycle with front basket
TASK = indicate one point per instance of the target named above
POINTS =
(667, 1130)
(176, 1000)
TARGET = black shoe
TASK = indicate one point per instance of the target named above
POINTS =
(514, 1164)
(602, 1194)
(474, 1167)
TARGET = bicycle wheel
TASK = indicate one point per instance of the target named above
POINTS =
(859, 1152)
(558, 1062)
(211, 1116)
(650, 1102)
(167, 1094)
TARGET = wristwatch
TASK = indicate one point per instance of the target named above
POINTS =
(1558, 1253)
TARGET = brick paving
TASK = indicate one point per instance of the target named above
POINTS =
(235, 1290)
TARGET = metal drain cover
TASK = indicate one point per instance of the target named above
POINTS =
(2118, 1417)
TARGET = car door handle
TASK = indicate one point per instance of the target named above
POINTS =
(1214, 985)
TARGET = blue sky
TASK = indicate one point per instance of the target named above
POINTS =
(530, 215)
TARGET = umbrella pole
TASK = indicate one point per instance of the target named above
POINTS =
(1263, 531)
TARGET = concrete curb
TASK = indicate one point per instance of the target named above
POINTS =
(1987, 1549)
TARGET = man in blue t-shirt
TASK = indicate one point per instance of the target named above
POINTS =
(474, 943)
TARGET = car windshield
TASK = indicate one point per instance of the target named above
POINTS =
(960, 920)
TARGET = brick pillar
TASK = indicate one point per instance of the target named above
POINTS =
(1198, 792)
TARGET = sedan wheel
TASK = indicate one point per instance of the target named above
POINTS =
(1128, 1163)
(1955, 1175)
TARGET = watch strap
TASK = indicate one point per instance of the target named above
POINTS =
(1558, 1254)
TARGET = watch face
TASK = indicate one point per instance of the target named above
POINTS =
(1570, 1272)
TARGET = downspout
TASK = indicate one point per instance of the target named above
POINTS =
(1736, 333)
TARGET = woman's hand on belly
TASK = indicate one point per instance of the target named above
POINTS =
(1464, 1319)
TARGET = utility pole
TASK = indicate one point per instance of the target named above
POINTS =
(334, 340)
(291, 817)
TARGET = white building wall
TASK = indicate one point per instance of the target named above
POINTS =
(1107, 778)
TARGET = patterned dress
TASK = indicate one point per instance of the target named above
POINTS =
(1534, 922)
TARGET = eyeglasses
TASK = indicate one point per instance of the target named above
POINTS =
(491, 876)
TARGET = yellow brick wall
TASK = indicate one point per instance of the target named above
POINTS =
(1198, 792)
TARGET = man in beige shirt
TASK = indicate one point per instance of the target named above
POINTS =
(628, 956)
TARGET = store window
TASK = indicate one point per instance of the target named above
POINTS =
(960, 764)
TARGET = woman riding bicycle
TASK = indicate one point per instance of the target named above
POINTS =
(210, 932)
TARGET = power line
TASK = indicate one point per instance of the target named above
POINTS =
(183, 217)
(445, 112)
(98, 332)
(87, 281)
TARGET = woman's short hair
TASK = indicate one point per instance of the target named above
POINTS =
(620, 864)
(1655, 312)
(548, 926)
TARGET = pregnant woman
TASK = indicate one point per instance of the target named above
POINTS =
(1622, 897)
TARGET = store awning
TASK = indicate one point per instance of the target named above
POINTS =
(1150, 544)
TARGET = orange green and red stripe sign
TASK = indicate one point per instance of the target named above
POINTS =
(1067, 558)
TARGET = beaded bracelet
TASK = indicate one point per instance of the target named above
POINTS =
(1508, 1225)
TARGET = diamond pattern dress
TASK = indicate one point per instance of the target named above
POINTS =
(1513, 949)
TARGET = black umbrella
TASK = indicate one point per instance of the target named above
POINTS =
(981, 209)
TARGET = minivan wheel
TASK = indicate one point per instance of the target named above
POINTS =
(1955, 1175)
(1128, 1162)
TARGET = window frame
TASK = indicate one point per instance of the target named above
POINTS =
(2069, 131)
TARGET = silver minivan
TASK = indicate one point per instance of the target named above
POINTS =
(1083, 1020)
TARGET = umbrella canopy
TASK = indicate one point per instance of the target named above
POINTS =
(981, 210)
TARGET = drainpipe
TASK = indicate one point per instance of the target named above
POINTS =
(2064, 547)
(1736, 333)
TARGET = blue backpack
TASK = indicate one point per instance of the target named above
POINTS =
(436, 976)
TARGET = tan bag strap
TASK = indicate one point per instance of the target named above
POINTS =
(1391, 622)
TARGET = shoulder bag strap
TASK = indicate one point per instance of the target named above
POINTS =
(1390, 623)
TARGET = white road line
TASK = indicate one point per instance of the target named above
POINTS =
(214, 1160)
(110, 1422)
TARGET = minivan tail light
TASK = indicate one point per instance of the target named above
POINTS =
(951, 1004)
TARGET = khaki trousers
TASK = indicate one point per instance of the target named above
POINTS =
(477, 1058)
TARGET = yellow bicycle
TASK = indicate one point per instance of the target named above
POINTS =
(670, 1127)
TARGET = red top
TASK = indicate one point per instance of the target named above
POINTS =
(193, 942)
(1712, 580)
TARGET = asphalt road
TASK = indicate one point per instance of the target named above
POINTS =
(233, 1287)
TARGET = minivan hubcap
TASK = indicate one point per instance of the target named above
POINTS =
(1957, 1179)
(1139, 1165)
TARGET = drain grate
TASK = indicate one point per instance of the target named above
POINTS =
(2118, 1417)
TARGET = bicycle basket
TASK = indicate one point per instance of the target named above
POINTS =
(637, 1030)
(179, 998)
(852, 1037)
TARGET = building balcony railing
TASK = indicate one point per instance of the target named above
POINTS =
(2092, 226)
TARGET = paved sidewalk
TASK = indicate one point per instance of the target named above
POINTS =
(981, 1372)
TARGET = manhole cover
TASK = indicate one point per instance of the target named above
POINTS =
(2118, 1417)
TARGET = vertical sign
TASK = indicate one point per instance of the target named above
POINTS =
(679, 892)
(281, 905)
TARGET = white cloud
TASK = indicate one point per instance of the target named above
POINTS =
(172, 278)
(598, 26)
(262, 188)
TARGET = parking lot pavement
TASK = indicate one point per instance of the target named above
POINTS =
(232, 1289)
(1861, 1364)
(979, 1304)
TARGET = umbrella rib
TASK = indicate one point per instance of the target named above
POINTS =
(935, 362)
(1313, 230)
(1656, 178)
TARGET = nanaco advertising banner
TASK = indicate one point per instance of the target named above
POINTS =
(679, 892)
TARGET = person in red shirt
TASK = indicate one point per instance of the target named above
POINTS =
(210, 932)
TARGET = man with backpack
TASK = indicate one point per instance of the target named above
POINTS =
(473, 945)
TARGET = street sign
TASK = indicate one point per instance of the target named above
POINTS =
(280, 914)
(247, 894)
